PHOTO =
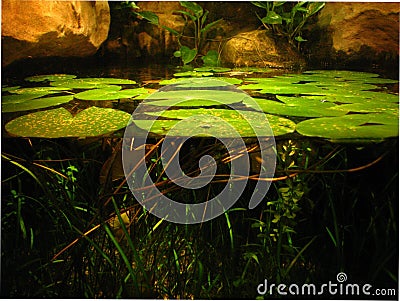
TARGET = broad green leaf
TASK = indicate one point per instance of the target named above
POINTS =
(50, 77)
(211, 59)
(187, 54)
(217, 123)
(15, 104)
(297, 106)
(193, 73)
(201, 82)
(272, 18)
(48, 90)
(354, 126)
(193, 6)
(110, 93)
(192, 98)
(9, 89)
(59, 123)
(149, 16)
(91, 83)
(212, 69)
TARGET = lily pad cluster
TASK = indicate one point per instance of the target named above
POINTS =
(204, 107)
(61, 89)
(342, 104)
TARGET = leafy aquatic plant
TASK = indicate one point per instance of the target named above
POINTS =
(288, 18)
(194, 16)
(59, 122)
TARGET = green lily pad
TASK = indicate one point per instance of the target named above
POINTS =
(51, 77)
(91, 83)
(296, 106)
(110, 93)
(370, 106)
(354, 126)
(192, 98)
(18, 103)
(212, 69)
(17, 98)
(214, 123)
(48, 90)
(201, 82)
(59, 122)
(8, 89)
(193, 74)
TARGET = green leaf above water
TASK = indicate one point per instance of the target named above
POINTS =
(51, 77)
(192, 98)
(297, 106)
(91, 83)
(354, 126)
(18, 103)
(214, 123)
(193, 74)
(59, 123)
(201, 82)
(110, 93)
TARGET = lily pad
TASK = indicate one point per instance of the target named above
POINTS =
(192, 98)
(8, 89)
(48, 90)
(296, 106)
(51, 77)
(110, 93)
(201, 82)
(212, 69)
(354, 126)
(15, 103)
(214, 123)
(193, 74)
(59, 122)
(91, 83)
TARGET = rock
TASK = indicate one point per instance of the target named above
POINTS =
(355, 32)
(258, 49)
(52, 28)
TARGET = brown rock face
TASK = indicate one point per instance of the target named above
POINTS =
(52, 28)
(357, 31)
(257, 49)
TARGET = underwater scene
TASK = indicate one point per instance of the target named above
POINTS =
(198, 172)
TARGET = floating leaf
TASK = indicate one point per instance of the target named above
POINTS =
(212, 69)
(365, 126)
(51, 77)
(8, 89)
(201, 82)
(59, 122)
(296, 106)
(217, 123)
(193, 74)
(18, 103)
(110, 93)
(47, 90)
(190, 98)
(91, 83)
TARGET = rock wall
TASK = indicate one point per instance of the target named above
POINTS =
(45, 28)
(348, 33)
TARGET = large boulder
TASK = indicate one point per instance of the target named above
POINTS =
(257, 48)
(43, 28)
(355, 32)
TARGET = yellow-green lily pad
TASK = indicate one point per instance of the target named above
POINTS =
(57, 123)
